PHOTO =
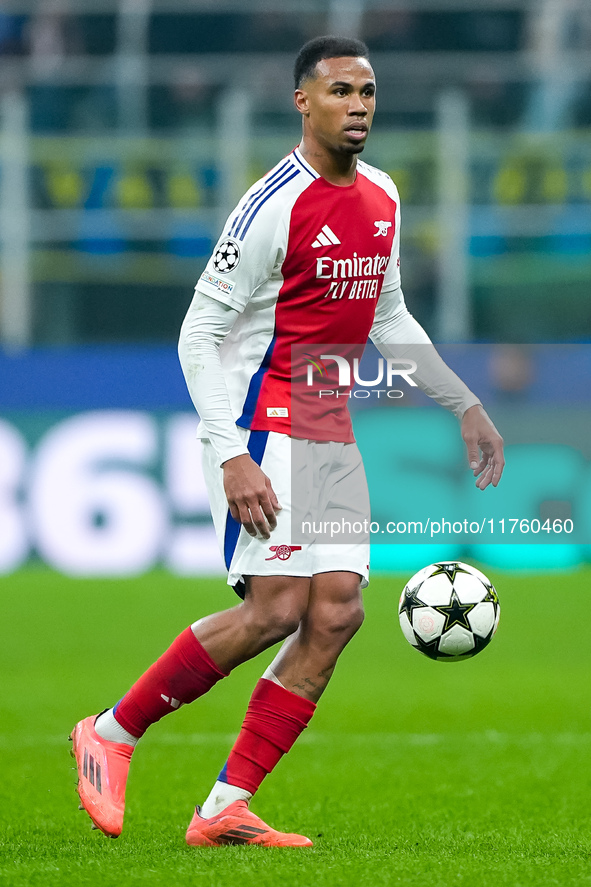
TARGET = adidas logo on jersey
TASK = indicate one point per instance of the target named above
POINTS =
(326, 238)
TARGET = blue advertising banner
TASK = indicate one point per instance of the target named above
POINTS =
(100, 470)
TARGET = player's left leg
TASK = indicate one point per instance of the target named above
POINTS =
(280, 708)
(307, 659)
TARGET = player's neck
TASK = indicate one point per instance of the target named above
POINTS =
(338, 169)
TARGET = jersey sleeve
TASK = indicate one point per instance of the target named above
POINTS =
(392, 275)
(206, 325)
(398, 335)
(249, 252)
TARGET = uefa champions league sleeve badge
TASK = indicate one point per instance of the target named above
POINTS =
(226, 257)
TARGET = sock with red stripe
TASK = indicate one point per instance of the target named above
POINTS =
(274, 720)
(182, 674)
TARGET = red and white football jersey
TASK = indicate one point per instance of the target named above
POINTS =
(304, 262)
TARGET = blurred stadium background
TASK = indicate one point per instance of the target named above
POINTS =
(127, 132)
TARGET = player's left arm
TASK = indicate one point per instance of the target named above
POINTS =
(484, 445)
(397, 334)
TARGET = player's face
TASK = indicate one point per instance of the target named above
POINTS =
(339, 103)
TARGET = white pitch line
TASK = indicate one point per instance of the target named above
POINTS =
(317, 738)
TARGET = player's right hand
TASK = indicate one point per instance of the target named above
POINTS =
(251, 498)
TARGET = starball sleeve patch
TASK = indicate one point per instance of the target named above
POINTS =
(226, 256)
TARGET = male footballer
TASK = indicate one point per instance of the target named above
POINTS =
(310, 255)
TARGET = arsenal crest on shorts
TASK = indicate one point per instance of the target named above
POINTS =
(283, 552)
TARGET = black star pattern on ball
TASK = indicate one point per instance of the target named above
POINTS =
(411, 601)
(456, 613)
(450, 570)
(491, 594)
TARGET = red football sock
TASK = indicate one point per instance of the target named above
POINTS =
(274, 720)
(182, 674)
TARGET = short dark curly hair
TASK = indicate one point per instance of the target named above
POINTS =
(327, 47)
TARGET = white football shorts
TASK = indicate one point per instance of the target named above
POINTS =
(323, 524)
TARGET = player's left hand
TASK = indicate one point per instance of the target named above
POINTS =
(484, 445)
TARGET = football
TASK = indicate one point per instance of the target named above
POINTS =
(449, 611)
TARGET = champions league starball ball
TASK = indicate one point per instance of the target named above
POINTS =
(449, 611)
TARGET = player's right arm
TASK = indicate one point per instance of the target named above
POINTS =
(222, 293)
(251, 498)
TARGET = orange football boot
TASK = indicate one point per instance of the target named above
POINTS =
(237, 825)
(102, 773)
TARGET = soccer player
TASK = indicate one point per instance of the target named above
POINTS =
(310, 256)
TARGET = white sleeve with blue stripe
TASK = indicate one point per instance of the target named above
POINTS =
(392, 275)
(252, 246)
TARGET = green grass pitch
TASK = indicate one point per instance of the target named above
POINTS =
(412, 772)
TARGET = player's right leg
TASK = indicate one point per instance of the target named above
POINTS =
(102, 775)
(207, 651)
(103, 745)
